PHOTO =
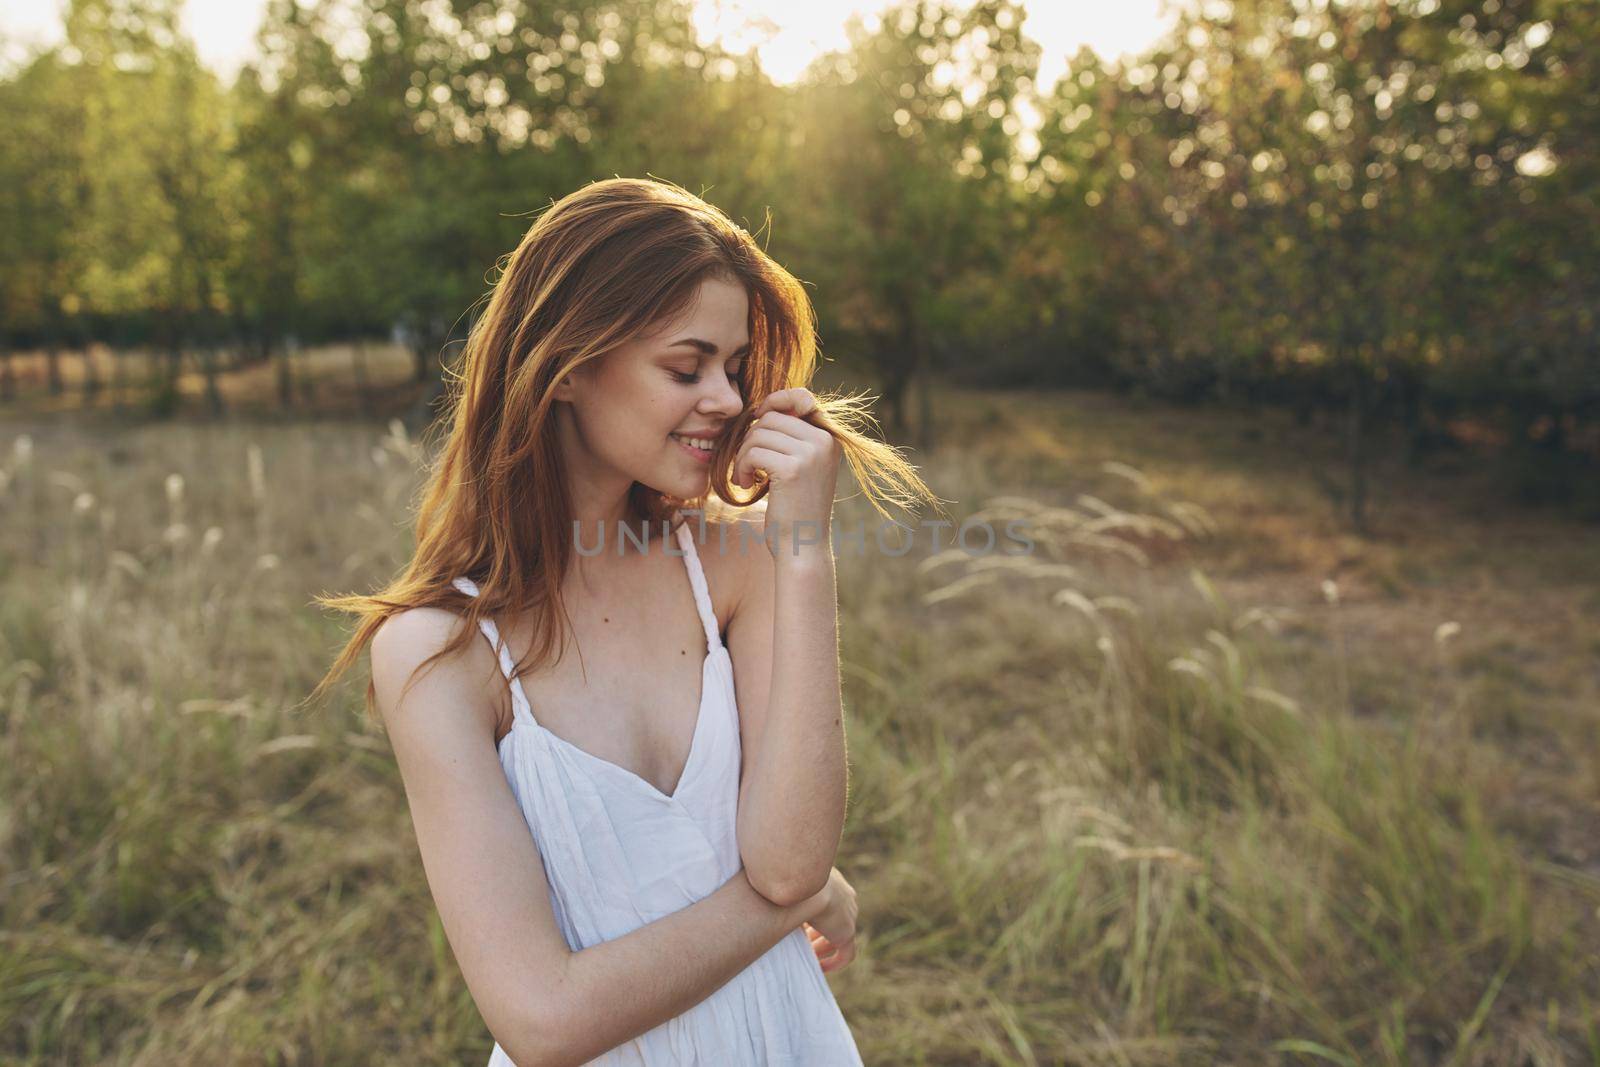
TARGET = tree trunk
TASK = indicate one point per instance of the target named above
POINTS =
(894, 400)
(922, 355)
(208, 364)
(925, 434)
(115, 384)
(1356, 451)
(285, 375)
(428, 352)
(307, 379)
(1409, 389)
(260, 347)
(91, 377)
(363, 381)
(423, 355)
(52, 363)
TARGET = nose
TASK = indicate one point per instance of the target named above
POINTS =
(724, 398)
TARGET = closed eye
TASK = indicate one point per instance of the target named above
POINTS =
(690, 379)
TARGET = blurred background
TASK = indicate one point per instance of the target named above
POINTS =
(1278, 319)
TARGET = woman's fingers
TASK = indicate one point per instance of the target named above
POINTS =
(798, 401)
(789, 409)
(836, 957)
(798, 428)
(781, 434)
(776, 465)
(759, 436)
(829, 955)
(786, 431)
(826, 950)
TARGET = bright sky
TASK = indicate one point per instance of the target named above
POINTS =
(224, 30)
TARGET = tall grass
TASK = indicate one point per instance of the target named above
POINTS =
(1098, 814)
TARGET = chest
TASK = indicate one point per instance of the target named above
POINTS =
(628, 684)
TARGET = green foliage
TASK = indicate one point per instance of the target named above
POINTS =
(1381, 211)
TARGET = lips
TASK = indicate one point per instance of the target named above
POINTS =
(700, 455)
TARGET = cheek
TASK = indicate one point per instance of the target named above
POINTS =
(643, 421)
(635, 407)
(667, 408)
(625, 428)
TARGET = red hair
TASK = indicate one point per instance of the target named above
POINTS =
(601, 266)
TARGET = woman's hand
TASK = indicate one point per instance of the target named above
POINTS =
(832, 928)
(801, 460)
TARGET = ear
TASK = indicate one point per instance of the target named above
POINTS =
(566, 390)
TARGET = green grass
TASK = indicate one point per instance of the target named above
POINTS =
(1198, 811)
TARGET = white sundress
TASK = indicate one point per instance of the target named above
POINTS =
(619, 853)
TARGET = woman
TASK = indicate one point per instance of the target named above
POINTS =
(631, 850)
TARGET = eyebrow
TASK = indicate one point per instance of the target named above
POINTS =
(708, 348)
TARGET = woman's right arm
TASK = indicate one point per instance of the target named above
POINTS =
(544, 1003)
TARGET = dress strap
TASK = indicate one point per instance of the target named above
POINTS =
(508, 666)
(702, 592)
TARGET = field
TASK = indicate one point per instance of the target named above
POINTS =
(1201, 780)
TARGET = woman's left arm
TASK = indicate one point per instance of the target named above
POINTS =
(784, 641)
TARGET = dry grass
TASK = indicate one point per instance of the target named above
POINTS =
(1181, 803)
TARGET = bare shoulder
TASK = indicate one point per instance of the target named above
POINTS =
(479, 854)
(459, 686)
(725, 535)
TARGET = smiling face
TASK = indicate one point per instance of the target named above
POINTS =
(626, 417)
